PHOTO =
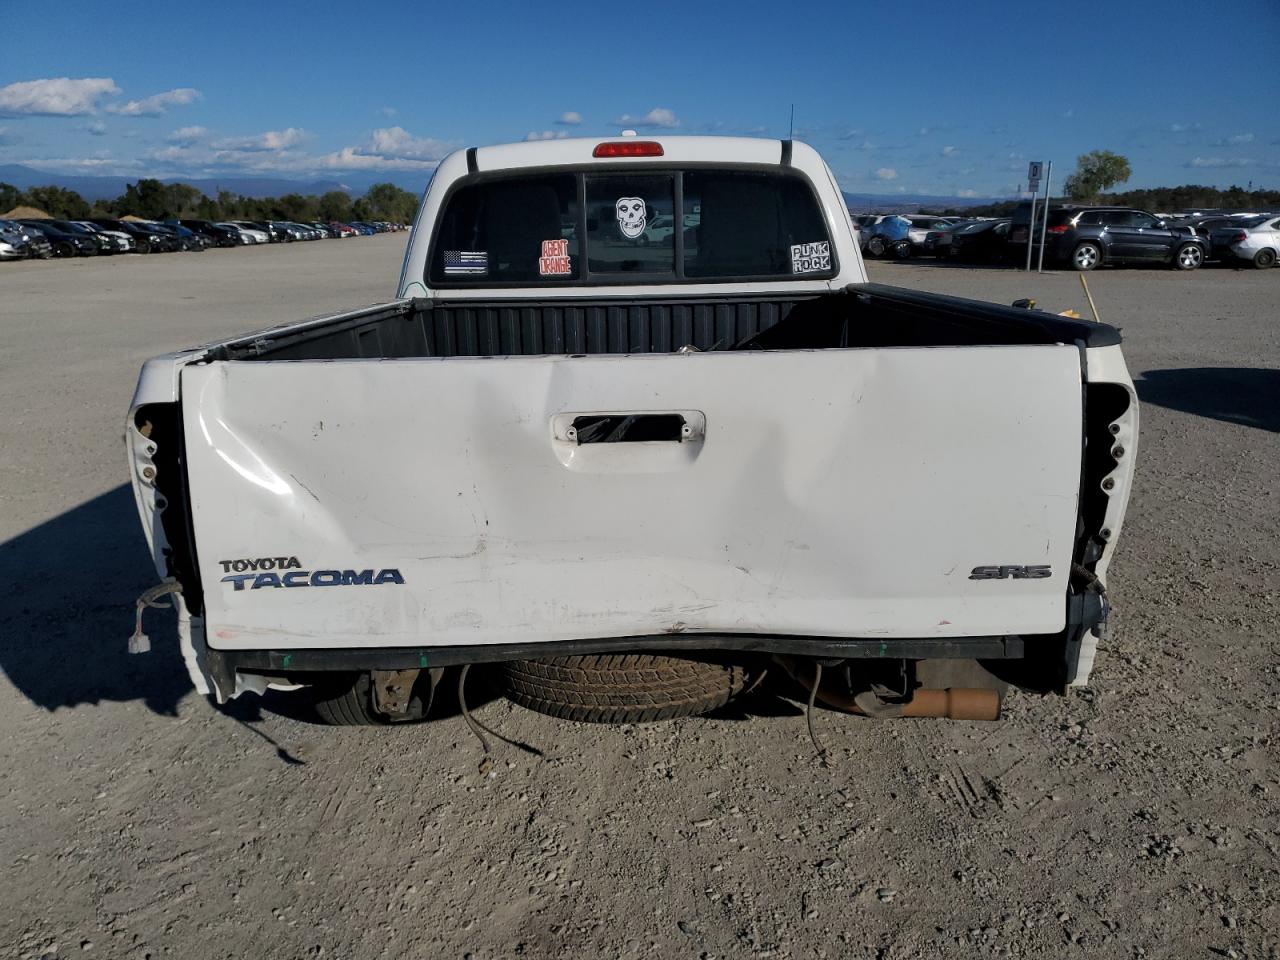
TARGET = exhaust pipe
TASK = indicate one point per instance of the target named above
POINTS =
(952, 703)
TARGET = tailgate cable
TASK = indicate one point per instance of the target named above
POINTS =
(140, 642)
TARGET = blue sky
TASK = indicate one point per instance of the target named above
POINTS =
(921, 96)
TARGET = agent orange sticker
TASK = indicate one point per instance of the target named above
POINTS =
(554, 261)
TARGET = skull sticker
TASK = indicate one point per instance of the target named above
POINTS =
(631, 216)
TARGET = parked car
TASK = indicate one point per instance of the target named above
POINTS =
(147, 240)
(103, 243)
(937, 242)
(248, 234)
(219, 236)
(844, 488)
(66, 243)
(187, 238)
(260, 232)
(14, 242)
(980, 241)
(888, 236)
(1087, 237)
(1255, 241)
(921, 226)
(343, 229)
(124, 243)
(23, 241)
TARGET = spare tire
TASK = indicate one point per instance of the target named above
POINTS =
(623, 688)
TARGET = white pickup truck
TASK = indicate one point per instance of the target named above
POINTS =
(634, 464)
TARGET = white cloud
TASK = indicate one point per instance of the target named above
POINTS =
(657, 117)
(1183, 127)
(389, 148)
(95, 128)
(546, 135)
(156, 104)
(948, 151)
(887, 173)
(349, 158)
(399, 142)
(570, 118)
(98, 164)
(268, 141)
(1239, 140)
(1216, 162)
(967, 193)
(187, 135)
(387, 111)
(60, 97)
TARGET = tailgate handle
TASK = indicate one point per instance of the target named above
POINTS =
(628, 428)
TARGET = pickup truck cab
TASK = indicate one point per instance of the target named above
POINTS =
(635, 467)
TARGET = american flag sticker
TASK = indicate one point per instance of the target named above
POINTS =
(466, 262)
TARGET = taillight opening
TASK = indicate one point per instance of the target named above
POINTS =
(628, 148)
(1062, 228)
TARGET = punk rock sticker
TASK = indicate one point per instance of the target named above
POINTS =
(811, 257)
(554, 261)
(632, 215)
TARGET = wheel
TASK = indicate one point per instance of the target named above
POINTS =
(64, 249)
(1086, 256)
(1264, 258)
(875, 247)
(346, 700)
(622, 688)
(1188, 257)
(901, 250)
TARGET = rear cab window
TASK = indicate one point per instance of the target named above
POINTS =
(647, 225)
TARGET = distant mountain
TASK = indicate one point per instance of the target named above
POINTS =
(357, 182)
(910, 202)
(108, 188)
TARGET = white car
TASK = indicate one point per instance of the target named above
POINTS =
(248, 234)
(121, 240)
(1256, 239)
(632, 475)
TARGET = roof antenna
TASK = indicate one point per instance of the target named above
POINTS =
(791, 134)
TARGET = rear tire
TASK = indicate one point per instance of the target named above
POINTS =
(346, 701)
(1188, 257)
(64, 250)
(1264, 259)
(875, 247)
(622, 688)
(1086, 256)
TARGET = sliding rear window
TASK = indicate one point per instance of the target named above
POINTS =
(638, 225)
(512, 231)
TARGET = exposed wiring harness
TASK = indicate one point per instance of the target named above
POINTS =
(140, 642)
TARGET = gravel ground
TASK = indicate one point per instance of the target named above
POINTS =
(1137, 818)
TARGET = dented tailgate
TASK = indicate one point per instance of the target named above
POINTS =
(835, 493)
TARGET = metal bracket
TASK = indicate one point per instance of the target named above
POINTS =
(391, 690)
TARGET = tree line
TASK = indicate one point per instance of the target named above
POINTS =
(153, 200)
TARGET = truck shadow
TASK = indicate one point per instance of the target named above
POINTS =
(1242, 395)
(72, 582)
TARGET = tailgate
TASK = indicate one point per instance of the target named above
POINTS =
(837, 493)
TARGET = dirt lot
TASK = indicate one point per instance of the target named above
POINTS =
(1140, 817)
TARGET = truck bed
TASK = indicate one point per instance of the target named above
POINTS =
(862, 315)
